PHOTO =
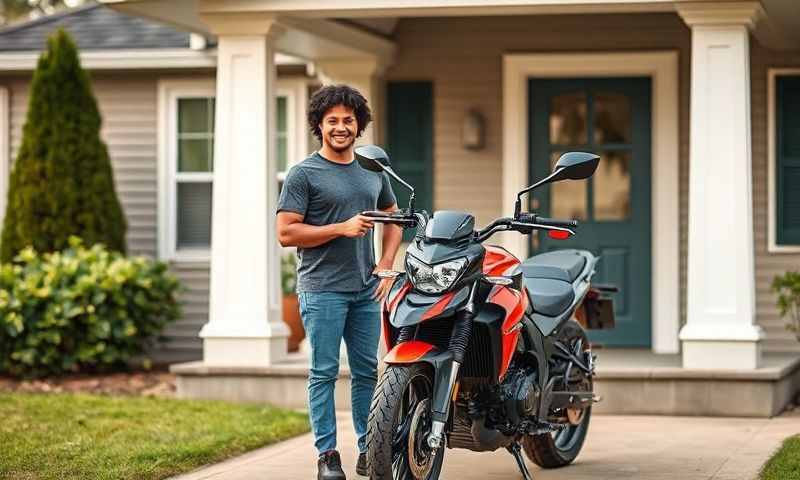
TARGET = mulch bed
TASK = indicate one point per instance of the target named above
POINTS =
(149, 383)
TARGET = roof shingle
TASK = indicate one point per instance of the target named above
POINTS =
(94, 27)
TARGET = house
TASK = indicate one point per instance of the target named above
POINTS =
(150, 79)
(693, 105)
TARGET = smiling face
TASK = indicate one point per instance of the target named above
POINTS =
(339, 127)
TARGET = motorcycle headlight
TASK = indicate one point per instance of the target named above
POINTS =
(434, 278)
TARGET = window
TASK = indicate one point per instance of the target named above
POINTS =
(784, 161)
(282, 133)
(186, 163)
(194, 172)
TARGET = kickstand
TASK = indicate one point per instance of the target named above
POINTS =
(515, 450)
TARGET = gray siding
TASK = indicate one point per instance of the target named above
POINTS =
(767, 264)
(128, 104)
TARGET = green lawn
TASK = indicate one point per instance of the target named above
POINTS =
(60, 436)
(784, 465)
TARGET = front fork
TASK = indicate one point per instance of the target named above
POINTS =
(447, 377)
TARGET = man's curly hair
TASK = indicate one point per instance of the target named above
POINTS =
(330, 96)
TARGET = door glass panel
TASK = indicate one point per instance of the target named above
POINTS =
(568, 119)
(612, 118)
(567, 198)
(612, 187)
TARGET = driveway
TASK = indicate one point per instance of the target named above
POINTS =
(617, 447)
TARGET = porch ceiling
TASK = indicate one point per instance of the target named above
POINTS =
(315, 33)
(308, 38)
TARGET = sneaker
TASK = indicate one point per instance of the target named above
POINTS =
(361, 465)
(329, 466)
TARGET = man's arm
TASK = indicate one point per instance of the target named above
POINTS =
(392, 236)
(292, 232)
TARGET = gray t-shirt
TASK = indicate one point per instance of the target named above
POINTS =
(326, 192)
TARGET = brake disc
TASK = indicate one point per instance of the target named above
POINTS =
(420, 456)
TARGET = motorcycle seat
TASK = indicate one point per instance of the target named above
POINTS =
(564, 265)
(548, 277)
(549, 297)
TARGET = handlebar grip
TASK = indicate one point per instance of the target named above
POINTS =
(392, 218)
(548, 222)
(553, 222)
(376, 214)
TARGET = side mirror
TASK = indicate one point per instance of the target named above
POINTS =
(372, 157)
(570, 166)
(575, 166)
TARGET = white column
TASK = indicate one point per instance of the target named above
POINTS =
(245, 326)
(363, 74)
(720, 332)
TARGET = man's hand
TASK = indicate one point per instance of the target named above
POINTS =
(357, 226)
(383, 288)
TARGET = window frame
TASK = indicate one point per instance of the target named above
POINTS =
(772, 162)
(295, 91)
(170, 91)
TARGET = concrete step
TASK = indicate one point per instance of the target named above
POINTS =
(629, 383)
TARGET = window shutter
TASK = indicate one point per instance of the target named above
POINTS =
(410, 142)
(788, 160)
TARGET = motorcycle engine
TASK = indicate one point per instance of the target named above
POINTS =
(519, 394)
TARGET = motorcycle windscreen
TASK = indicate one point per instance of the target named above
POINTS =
(415, 308)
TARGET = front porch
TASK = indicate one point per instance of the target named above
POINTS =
(716, 344)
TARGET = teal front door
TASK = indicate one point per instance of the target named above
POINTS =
(609, 117)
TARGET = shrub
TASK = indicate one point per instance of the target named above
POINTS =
(61, 183)
(787, 287)
(81, 308)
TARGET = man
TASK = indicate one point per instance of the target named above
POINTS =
(318, 212)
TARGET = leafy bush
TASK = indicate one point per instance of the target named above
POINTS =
(62, 182)
(787, 287)
(81, 308)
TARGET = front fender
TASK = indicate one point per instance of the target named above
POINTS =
(409, 352)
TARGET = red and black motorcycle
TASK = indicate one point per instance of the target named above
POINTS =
(484, 350)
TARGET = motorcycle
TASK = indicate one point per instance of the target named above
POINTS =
(484, 351)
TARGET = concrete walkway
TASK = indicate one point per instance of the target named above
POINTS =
(618, 447)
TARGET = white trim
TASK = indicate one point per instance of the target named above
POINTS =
(772, 222)
(5, 147)
(121, 59)
(662, 67)
(168, 93)
(162, 58)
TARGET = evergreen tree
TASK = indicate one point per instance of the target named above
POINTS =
(62, 183)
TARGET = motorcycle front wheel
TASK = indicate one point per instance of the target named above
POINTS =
(399, 423)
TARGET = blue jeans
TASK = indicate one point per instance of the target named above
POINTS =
(328, 317)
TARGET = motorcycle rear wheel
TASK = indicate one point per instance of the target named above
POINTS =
(553, 451)
(390, 440)
(562, 447)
